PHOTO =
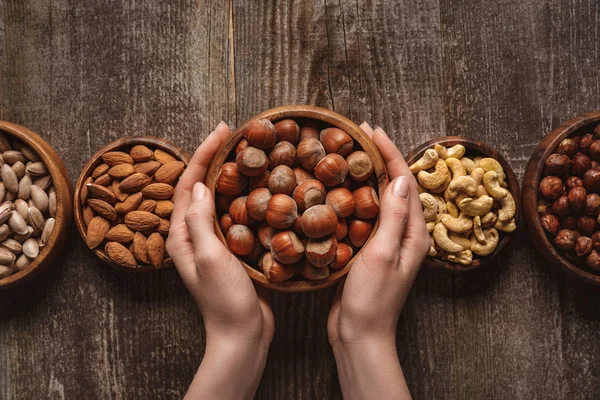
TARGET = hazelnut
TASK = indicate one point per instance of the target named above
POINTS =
(593, 260)
(592, 204)
(580, 164)
(585, 142)
(560, 207)
(331, 170)
(360, 165)
(240, 239)
(257, 252)
(597, 132)
(558, 164)
(568, 223)
(583, 246)
(241, 146)
(337, 141)
(319, 221)
(577, 197)
(550, 223)
(591, 180)
(359, 231)
(260, 181)
(265, 233)
(302, 175)
(341, 200)
(225, 223)
(343, 254)
(573, 181)
(309, 132)
(544, 206)
(287, 130)
(309, 153)
(284, 153)
(595, 150)
(223, 202)
(596, 240)
(568, 147)
(297, 227)
(341, 230)
(321, 252)
(586, 225)
(273, 270)
(309, 193)
(281, 211)
(252, 161)
(257, 202)
(260, 133)
(565, 239)
(595, 164)
(286, 247)
(367, 202)
(282, 180)
(313, 273)
(551, 187)
(230, 181)
(239, 212)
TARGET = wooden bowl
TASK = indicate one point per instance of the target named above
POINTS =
(64, 190)
(533, 173)
(120, 144)
(301, 112)
(474, 148)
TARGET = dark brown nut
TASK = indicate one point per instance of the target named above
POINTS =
(592, 204)
(287, 130)
(241, 146)
(544, 206)
(251, 161)
(551, 187)
(568, 222)
(586, 225)
(577, 197)
(591, 180)
(558, 164)
(573, 181)
(284, 153)
(580, 164)
(595, 150)
(550, 223)
(595, 164)
(583, 246)
(596, 240)
(585, 143)
(566, 239)
(260, 133)
(282, 180)
(560, 207)
(260, 181)
(597, 132)
(593, 260)
(567, 147)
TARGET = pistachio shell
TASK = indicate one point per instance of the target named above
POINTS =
(19, 169)
(17, 223)
(23, 237)
(22, 262)
(31, 248)
(12, 245)
(37, 169)
(22, 208)
(6, 256)
(10, 178)
(12, 156)
(52, 204)
(40, 198)
(36, 219)
(43, 182)
(48, 228)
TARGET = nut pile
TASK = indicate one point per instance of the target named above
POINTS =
(465, 203)
(569, 198)
(28, 209)
(127, 203)
(296, 200)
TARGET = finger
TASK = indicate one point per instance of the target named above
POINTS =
(200, 219)
(367, 129)
(336, 305)
(394, 213)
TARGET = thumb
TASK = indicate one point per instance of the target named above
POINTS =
(393, 216)
(200, 219)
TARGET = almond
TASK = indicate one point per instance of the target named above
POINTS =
(139, 248)
(100, 170)
(88, 214)
(101, 192)
(155, 247)
(141, 220)
(140, 153)
(158, 191)
(163, 157)
(84, 190)
(134, 183)
(121, 171)
(120, 233)
(103, 209)
(113, 158)
(117, 191)
(148, 205)
(164, 208)
(163, 226)
(103, 180)
(169, 172)
(96, 231)
(131, 203)
(120, 254)
(148, 168)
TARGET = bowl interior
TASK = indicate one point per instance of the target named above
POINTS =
(473, 149)
(63, 188)
(301, 112)
(95, 160)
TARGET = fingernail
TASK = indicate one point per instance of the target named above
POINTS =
(199, 191)
(220, 124)
(400, 187)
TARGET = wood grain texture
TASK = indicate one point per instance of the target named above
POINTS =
(82, 74)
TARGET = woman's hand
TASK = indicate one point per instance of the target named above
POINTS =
(363, 318)
(239, 323)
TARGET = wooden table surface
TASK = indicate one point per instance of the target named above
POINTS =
(82, 74)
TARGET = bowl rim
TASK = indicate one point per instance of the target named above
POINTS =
(301, 112)
(531, 179)
(95, 160)
(63, 188)
(513, 186)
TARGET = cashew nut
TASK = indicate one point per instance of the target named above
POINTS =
(432, 250)
(464, 257)
(452, 209)
(490, 164)
(460, 239)
(491, 181)
(430, 157)
(508, 209)
(477, 230)
(489, 219)
(430, 226)
(462, 224)
(443, 187)
(476, 160)
(481, 191)
(468, 163)
(441, 207)
(477, 175)
(430, 206)
(460, 197)
(461, 184)
(456, 151)
(440, 235)
(490, 244)
(433, 180)
(457, 167)
(476, 207)
(506, 226)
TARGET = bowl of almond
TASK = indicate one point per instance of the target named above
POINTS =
(124, 199)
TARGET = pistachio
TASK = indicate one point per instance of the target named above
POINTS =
(37, 169)
(31, 248)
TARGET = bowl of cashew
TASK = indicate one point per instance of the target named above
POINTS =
(471, 201)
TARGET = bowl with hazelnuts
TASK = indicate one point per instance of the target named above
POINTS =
(297, 196)
(561, 197)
